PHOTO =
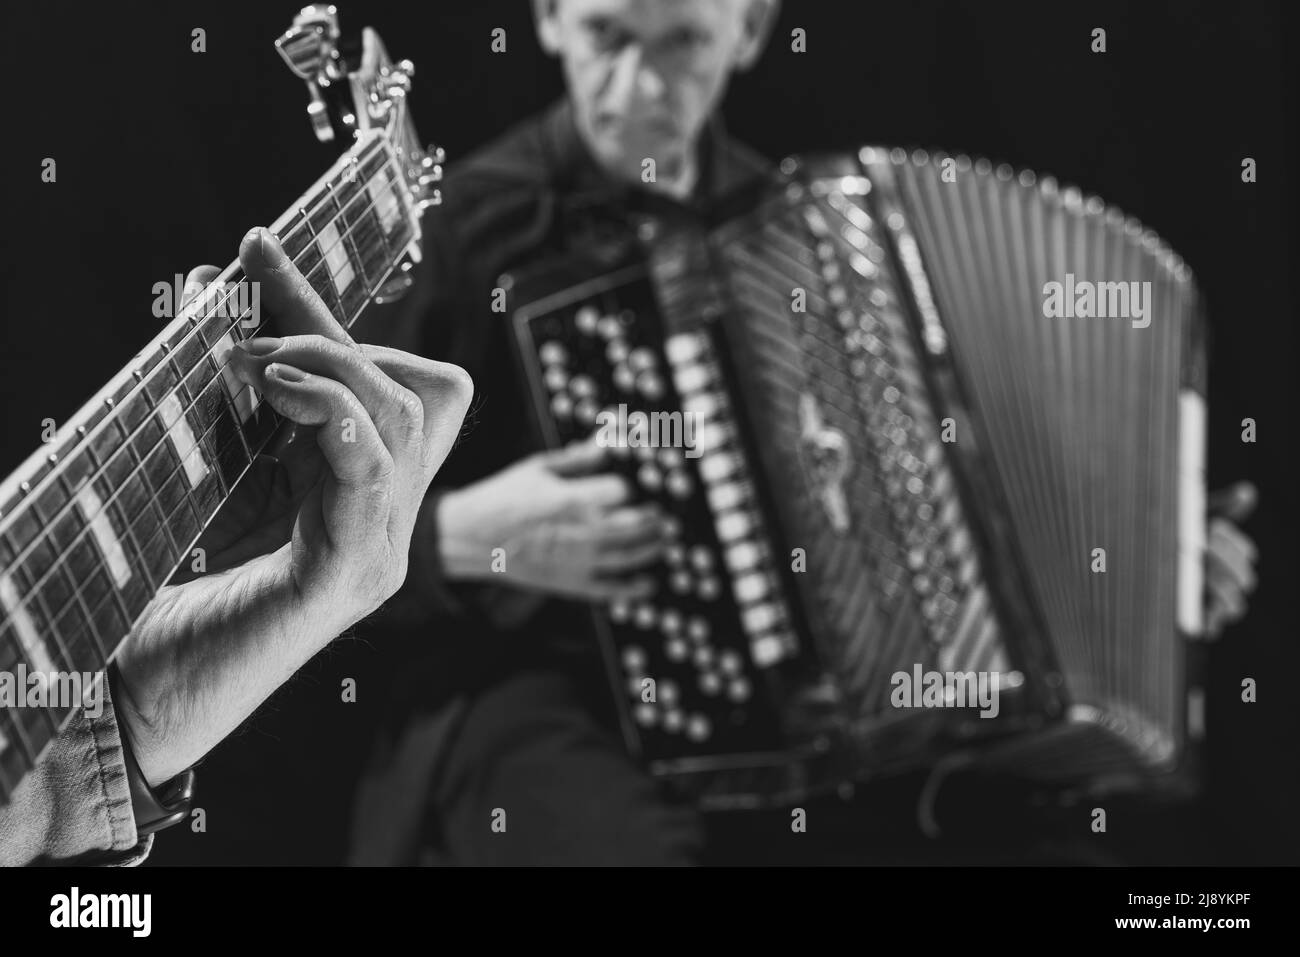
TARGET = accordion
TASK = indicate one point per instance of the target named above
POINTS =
(930, 434)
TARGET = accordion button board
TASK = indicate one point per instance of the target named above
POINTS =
(860, 486)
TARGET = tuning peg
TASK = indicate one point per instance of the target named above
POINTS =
(309, 47)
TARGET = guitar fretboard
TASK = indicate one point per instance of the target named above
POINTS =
(94, 524)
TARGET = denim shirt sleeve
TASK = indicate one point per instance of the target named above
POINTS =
(74, 807)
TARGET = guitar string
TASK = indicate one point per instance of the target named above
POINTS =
(196, 328)
(196, 325)
(61, 555)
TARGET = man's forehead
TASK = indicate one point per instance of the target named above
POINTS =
(654, 12)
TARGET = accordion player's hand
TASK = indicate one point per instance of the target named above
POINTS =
(1230, 557)
(557, 522)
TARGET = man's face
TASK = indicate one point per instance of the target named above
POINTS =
(644, 75)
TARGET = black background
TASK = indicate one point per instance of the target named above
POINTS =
(166, 157)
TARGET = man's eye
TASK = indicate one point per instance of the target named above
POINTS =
(605, 35)
(686, 38)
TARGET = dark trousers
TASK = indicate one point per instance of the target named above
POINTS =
(521, 773)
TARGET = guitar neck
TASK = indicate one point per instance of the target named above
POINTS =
(94, 523)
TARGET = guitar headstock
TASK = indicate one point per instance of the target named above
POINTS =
(355, 89)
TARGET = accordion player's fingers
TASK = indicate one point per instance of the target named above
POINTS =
(635, 588)
(630, 525)
(1229, 549)
(630, 558)
(576, 458)
(601, 491)
(1227, 604)
(1235, 503)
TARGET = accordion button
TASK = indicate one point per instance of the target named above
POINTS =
(646, 453)
(624, 378)
(702, 558)
(690, 378)
(680, 581)
(738, 690)
(742, 556)
(676, 650)
(725, 496)
(698, 728)
(674, 721)
(556, 379)
(619, 611)
(710, 683)
(751, 588)
(587, 319)
(701, 405)
(683, 347)
(703, 657)
(562, 406)
(758, 618)
(711, 435)
(650, 385)
(552, 354)
(634, 659)
(651, 478)
(709, 589)
(671, 621)
(767, 650)
(675, 554)
(585, 412)
(669, 458)
(729, 663)
(698, 629)
(672, 527)
(641, 359)
(715, 468)
(733, 526)
(582, 387)
(646, 713)
(645, 616)
(616, 351)
(609, 327)
(668, 693)
(680, 484)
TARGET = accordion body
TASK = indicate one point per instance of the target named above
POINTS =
(930, 434)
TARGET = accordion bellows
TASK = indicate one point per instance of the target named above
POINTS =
(931, 435)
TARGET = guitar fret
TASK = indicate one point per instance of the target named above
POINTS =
(102, 520)
(136, 504)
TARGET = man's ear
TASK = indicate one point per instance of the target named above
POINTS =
(756, 30)
(545, 17)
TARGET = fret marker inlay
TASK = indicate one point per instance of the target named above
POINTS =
(102, 529)
(336, 256)
(244, 397)
(182, 439)
(28, 637)
(386, 204)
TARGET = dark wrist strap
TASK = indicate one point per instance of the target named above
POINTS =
(154, 808)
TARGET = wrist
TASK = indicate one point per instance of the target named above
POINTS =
(460, 556)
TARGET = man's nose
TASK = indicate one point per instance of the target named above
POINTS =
(637, 76)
